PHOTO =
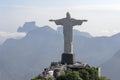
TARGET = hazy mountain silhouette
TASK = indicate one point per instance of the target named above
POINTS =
(6, 35)
(111, 67)
(28, 26)
(76, 32)
(23, 58)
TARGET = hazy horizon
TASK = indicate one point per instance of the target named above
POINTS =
(103, 16)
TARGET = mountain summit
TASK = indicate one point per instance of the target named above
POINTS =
(28, 26)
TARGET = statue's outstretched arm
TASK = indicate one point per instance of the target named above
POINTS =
(58, 21)
(84, 20)
(78, 22)
(51, 20)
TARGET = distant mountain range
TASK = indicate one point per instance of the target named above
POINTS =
(21, 59)
(111, 67)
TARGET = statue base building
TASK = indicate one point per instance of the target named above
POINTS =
(68, 58)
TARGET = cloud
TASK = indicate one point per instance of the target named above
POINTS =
(107, 32)
(7, 35)
(98, 15)
(115, 7)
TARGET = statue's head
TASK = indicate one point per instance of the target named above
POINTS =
(68, 15)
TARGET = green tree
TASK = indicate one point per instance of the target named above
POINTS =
(74, 75)
(50, 78)
(70, 75)
(84, 74)
(104, 78)
(38, 78)
(93, 73)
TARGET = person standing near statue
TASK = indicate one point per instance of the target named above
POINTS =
(68, 23)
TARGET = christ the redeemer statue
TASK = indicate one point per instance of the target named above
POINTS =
(68, 24)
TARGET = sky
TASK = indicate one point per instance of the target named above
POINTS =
(103, 15)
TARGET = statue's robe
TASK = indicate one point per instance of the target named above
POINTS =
(68, 32)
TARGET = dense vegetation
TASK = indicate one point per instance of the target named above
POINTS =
(84, 74)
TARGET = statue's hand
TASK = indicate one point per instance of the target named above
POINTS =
(85, 20)
(51, 20)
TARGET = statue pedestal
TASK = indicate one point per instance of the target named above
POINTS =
(68, 58)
